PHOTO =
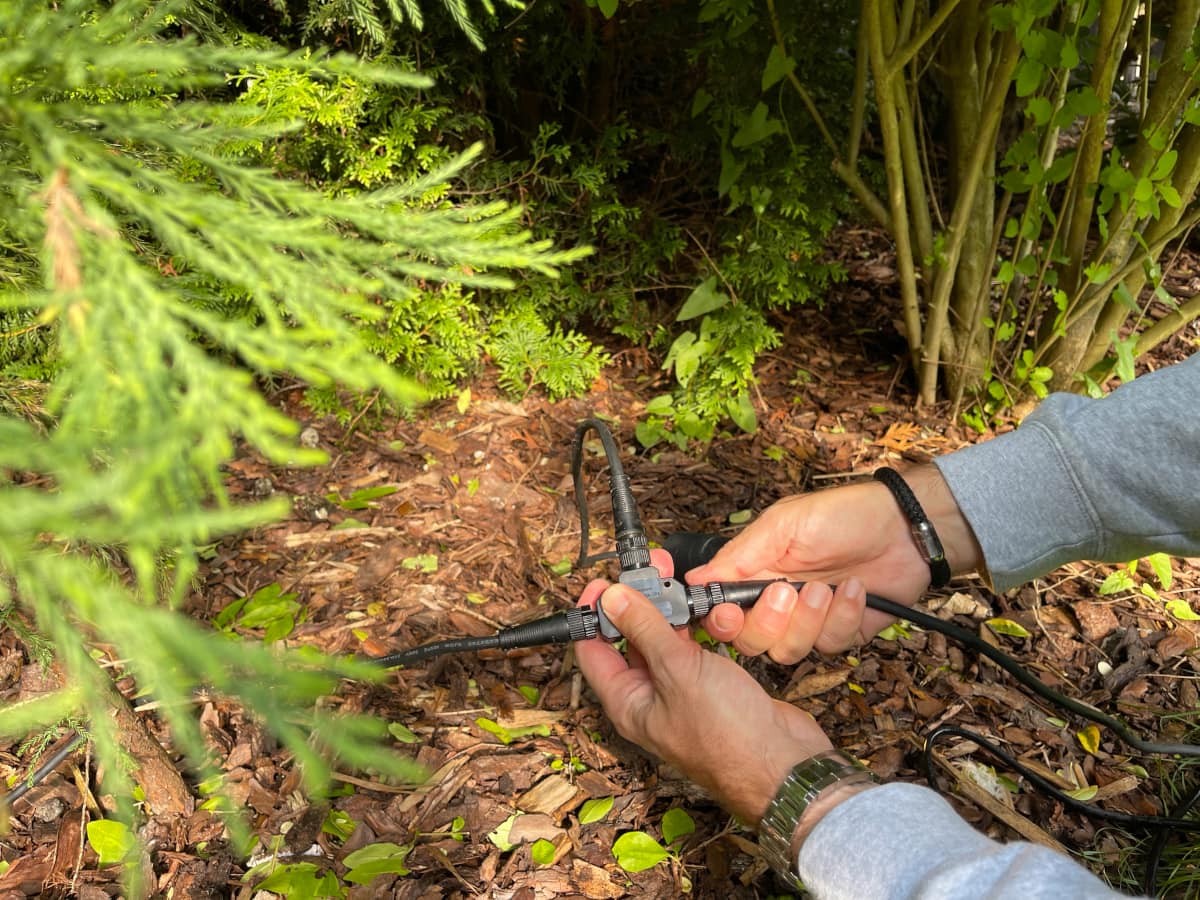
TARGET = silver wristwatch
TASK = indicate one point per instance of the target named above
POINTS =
(799, 789)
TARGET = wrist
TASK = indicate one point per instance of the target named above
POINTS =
(807, 794)
(958, 540)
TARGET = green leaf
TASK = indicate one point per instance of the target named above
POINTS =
(1083, 794)
(112, 840)
(741, 410)
(608, 8)
(757, 127)
(1165, 165)
(676, 823)
(373, 860)
(595, 810)
(1029, 76)
(1160, 564)
(1169, 195)
(542, 852)
(704, 299)
(403, 734)
(636, 851)
(423, 562)
(779, 65)
(1116, 583)
(741, 517)
(499, 837)
(560, 568)
(1181, 610)
(1124, 350)
(1008, 627)
(1040, 109)
(508, 735)
(700, 101)
(530, 693)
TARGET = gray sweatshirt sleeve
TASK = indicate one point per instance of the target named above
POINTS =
(1108, 480)
(904, 842)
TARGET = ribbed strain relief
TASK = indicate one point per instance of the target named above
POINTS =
(551, 630)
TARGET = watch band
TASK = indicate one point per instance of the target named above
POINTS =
(923, 533)
(799, 789)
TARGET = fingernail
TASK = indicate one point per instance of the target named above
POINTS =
(615, 603)
(780, 601)
(854, 588)
(817, 595)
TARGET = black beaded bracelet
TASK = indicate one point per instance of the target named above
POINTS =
(926, 537)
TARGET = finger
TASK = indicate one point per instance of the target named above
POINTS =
(843, 622)
(662, 561)
(808, 620)
(767, 621)
(592, 592)
(725, 622)
(645, 628)
(753, 553)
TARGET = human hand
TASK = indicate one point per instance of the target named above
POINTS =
(700, 712)
(855, 536)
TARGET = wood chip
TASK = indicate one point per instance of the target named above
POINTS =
(553, 795)
(1096, 620)
(594, 882)
(816, 684)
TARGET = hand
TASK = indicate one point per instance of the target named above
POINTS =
(698, 711)
(855, 536)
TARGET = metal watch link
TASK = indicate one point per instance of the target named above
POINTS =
(799, 789)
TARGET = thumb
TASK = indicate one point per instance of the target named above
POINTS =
(640, 622)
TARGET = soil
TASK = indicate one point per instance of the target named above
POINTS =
(479, 533)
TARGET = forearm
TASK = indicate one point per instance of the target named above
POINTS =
(1107, 479)
(904, 841)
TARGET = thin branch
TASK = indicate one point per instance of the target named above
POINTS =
(901, 57)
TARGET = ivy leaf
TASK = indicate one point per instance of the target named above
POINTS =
(704, 299)
(636, 851)
(779, 65)
(112, 840)
(595, 810)
(676, 824)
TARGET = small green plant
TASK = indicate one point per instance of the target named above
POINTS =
(1127, 578)
(529, 353)
(594, 810)
(363, 498)
(637, 851)
(295, 880)
(268, 608)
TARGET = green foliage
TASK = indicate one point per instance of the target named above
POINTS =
(1024, 245)
(529, 352)
(123, 181)
(268, 609)
(637, 851)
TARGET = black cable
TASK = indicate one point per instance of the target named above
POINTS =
(1044, 784)
(27, 784)
(632, 548)
(1012, 667)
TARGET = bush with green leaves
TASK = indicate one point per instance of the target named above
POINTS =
(128, 222)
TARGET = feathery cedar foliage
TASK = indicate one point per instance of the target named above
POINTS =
(128, 220)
